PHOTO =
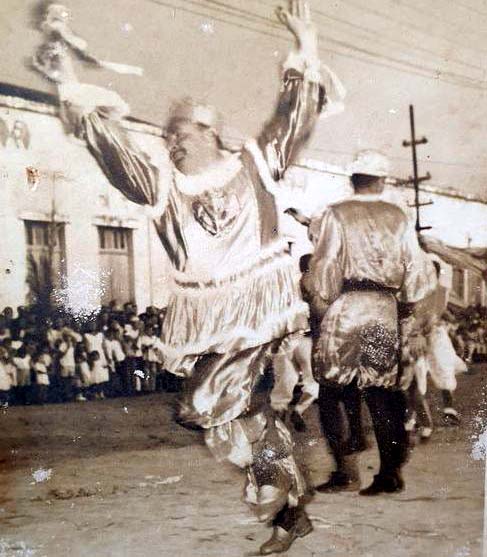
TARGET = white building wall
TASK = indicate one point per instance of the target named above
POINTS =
(313, 186)
(71, 183)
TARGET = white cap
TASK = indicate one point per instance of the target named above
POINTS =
(188, 109)
(57, 11)
(371, 163)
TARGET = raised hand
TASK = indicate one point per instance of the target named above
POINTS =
(121, 68)
(298, 20)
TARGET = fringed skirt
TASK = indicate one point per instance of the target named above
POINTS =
(232, 315)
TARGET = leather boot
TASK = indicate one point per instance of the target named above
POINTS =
(304, 526)
(384, 483)
(280, 541)
(339, 481)
(346, 478)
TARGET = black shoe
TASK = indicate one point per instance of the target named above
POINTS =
(280, 541)
(304, 526)
(298, 422)
(384, 484)
(339, 481)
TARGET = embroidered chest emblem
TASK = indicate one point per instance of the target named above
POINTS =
(217, 211)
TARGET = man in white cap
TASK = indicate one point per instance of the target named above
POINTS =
(367, 258)
(235, 294)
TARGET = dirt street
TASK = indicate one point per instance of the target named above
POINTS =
(120, 478)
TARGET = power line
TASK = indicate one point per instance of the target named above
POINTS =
(239, 12)
(378, 13)
(434, 14)
(241, 26)
(412, 25)
(408, 23)
(230, 10)
(378, 37)
(414, 69)
(470, 81)
(469, 8)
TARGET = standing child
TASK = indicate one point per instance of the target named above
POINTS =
(93, 341)
(99, 375)
(83, 376)
(7, 376)
(46, 358)
(115, 357)
(470, 342)
(67, 365)
(148, 342)
(41, 379)
(22, 362)
(132, 333)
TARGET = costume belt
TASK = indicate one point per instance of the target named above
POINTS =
(366, 285)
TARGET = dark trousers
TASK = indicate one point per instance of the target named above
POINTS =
(388, 412)
(341, 417)
(128, 368)
(352, 403)
(41, 393)
(287, 517)
(66, 388)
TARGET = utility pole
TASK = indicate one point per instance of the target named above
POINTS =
(415, 179)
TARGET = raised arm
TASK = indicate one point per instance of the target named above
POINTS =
(126, 166)
(302, 95)
(80, 47)
(71, 39)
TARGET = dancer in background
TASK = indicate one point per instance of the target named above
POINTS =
(430, 352)
(292, 366)
(366, 256)
(53, 59)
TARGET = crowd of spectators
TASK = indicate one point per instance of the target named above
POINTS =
(52, 357)
(468, 331)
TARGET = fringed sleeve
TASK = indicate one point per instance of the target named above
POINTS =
(127, 167)
(300, 103)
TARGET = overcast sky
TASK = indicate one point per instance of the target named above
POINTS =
(388, 53)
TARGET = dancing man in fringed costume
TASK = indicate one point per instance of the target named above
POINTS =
(235, 295)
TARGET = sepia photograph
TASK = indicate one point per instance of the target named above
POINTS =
(243, 278)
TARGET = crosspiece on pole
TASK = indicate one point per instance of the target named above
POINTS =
(411, 180)
(415, 179)
(421, 141)
(424, 204)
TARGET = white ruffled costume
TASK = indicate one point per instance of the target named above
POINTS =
(236, 294)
